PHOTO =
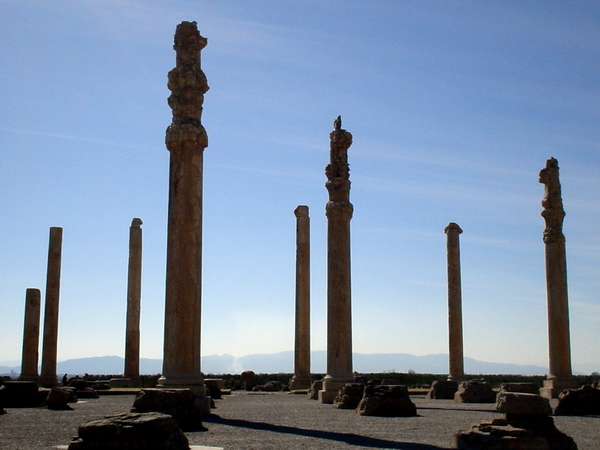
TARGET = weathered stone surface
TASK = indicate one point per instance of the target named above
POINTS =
(134, 289)
(87, 392)
(131, 431)
(339, 300)
(248, 379)
(315, 387)
(455, 334)
(187, 408)
(31, 334)
(59, 397)
(443, 389)
(501, 434)
(186, 140)
(50, 341)
(578, 402)
(349, 396)
(386, 401)
(559, 344)
(521, 404)
(475, 391)
(527, 388)
(21, 394)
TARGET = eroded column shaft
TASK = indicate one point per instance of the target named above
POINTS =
(186, 140)
(301, 379)
(134, 289)
(31, 336)
(455, 333)
(49, 349)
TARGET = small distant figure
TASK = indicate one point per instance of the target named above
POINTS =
(64, 379)
(337, 123)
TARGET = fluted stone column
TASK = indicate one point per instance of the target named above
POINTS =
(134, 288)
(455, 335)
(560, 376)
(31, 336)
(186, 140)
(301, 378)
(48, 375)
(339, 315)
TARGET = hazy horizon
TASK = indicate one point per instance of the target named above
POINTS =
(454, 108)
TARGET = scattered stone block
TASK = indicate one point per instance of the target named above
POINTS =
(500, 434)
(187, 408)
(442, 390)
(87, 392)
(527, 388)
(578, 402)
(139, 431)
(386, 401)
(315, 387)
(212, 388)
(220, 382)
(475, 391)
(521, 404)
(21, 394)
(349, 396)
(59, 398)
(123, 383)
(248, 379)
(526, 426)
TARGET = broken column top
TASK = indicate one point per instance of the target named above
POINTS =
(453, 228)
(136, 222)
(301, 211)
(340, 138)
(188, 38)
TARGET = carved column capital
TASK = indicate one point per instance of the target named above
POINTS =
(188, 85)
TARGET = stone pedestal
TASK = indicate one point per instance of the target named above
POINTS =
(301, 378)
(186, 140)
(455, 335)
(48, 375)
(559, 346)
(134, 288)
(339, 317)
(31, 336)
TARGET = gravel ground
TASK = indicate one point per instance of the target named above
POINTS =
(282, 421)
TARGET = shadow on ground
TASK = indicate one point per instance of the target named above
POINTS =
(346, 438)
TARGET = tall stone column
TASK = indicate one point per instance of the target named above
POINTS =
(339, 315)
(455, 335)
(48, 375)
(301, 378)
(134, 288)
(31, 336)
(556, 284)
(186, 139)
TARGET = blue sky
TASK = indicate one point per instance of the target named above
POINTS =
(454, 108)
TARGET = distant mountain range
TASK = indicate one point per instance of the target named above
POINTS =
(282, 362)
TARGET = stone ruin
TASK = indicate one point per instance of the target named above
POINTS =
(527, 425)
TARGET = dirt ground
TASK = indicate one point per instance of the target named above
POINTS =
(283, 421)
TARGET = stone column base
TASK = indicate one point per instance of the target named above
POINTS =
(195, 384)
(47, 381)
(331, 387)
(554, 386)
(29, 378)
(300, 382)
